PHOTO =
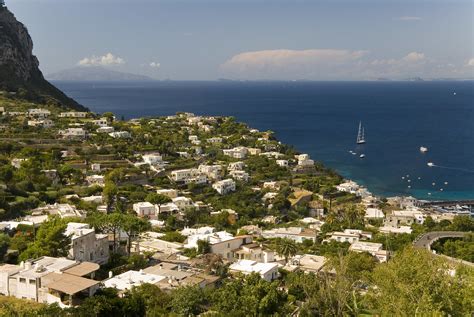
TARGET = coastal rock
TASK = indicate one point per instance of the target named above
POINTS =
(19, 68)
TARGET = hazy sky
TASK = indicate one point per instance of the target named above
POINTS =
(210, 39)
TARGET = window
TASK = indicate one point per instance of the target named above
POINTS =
(22, 280)
(32, 282)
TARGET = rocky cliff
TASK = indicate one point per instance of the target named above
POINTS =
(19, 68)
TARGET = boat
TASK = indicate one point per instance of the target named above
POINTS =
(423, 149)
(362, 155)
(354, 153)
(430, 164)
(360, 134)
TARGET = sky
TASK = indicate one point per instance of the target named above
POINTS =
(255, 40)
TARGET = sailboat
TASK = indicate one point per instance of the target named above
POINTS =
(360, 134)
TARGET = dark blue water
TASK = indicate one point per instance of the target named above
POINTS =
(321, 118)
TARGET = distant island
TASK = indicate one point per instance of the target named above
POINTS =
(95, 73)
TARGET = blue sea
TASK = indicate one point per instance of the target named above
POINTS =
(322, 118)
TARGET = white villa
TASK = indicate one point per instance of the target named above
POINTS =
(86, 245)
(224, 186)
(268, 271)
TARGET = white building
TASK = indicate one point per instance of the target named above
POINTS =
(43, 123)
(236, 166)
(49, 280)
(96, 180)
(282, 163)
(120, 135)
(214, 140)
(187, 176)
(308, 263)
(144, 209)
(171, 193)
(237, 152)
(297, 234)
(304, 160)
(86, 245)
(102, 122)
(268, 271)
(211, 171)
(150, 242)
(73, 133)
(105, 129)
(130, 279)
(240, 175)
(73, 114)
(374, 213)
(152, 159)
(224, 186)
(194, 231)
(404, 217)
(183, 203)
(39, 113)
(375, 249)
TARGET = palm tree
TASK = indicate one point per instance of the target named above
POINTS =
(286, 248)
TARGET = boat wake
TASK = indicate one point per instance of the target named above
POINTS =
(452, 168)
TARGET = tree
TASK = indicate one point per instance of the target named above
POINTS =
(132, 227)
(286, 247)
(157, 199)
(415, 282)
(203, 247)
(109, 194)
(50, 240)
(188, 300)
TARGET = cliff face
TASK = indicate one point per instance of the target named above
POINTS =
(19, 68)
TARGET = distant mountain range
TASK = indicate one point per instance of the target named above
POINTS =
(95, 73)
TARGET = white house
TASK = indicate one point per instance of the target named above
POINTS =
(73, 114)
(144, 209)
(102, 122)
(237, 152)
(404, 217)
(86, 245)
(183, 203)
(375, 249)
(96, 180)
(39, 113)
(49, 280)
(152, 158)
(374, 213)
(282, 163)
(211, 171)
(214, 140)
(190, 175)
(73, 133)
(105, 129)
(130, 279)
(268, 271)
(297, 234)
(171, 193)
(120, 135)
(236, 166)
(224, 186)
(240, 175)
(43, 123)
(304, 160)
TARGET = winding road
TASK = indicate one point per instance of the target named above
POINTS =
(427, 239)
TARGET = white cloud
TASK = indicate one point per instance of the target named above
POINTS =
(409, 18)
(155, 65)
(413, 57)
(291, 62)
(108, 59)
(470, 62)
